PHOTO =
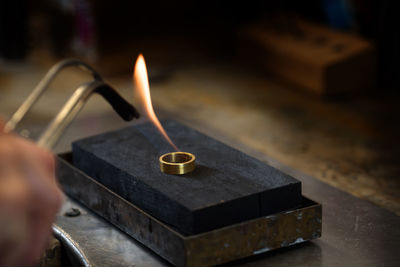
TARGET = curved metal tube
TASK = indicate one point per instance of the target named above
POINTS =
(78, 258)
(75, 103)
(42, 86)
(68, 112)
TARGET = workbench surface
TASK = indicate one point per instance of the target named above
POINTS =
(348, 144)
(355, 232)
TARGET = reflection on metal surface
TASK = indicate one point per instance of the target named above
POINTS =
(75, 254)
(101, 243)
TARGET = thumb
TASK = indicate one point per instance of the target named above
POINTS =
(2, 124)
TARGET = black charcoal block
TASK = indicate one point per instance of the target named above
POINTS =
(226, 187)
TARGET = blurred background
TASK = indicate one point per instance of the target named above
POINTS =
(313, 85)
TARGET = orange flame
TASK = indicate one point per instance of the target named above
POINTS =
(141, 82)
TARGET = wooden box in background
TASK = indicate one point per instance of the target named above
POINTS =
(312, 57)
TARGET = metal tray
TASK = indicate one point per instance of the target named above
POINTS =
(206, 249)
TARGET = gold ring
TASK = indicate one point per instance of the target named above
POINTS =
(177, 162)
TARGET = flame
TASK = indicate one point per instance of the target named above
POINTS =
(141, 82)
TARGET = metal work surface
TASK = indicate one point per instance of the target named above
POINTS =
(101, 243)
(209, 248)
(354, 232)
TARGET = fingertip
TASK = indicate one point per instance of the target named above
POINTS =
(49, 159)
(45, 156)
(2, 124)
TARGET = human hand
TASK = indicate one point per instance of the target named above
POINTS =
(29, 199)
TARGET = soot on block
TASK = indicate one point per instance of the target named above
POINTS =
(226, 187)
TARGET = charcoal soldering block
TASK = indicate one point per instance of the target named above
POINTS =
(226, 187)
